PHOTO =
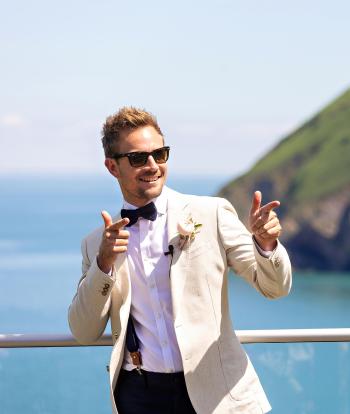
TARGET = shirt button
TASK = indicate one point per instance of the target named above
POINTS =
(164, 343)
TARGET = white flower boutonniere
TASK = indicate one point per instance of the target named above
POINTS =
(187, 229)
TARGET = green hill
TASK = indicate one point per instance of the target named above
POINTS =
(309, 172)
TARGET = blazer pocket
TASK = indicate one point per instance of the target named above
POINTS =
(199, 249)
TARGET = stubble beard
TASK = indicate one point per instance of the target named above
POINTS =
(150, 193)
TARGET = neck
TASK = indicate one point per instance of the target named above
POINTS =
(136, 202)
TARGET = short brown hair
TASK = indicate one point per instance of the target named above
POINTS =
(127, 118)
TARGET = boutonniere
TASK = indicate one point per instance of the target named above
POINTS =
(187, 229)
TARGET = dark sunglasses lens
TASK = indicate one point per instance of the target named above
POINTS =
(138, 159)
(161, 155)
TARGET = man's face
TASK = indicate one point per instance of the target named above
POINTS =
(142, 184)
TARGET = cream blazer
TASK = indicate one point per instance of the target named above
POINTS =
(219, 375)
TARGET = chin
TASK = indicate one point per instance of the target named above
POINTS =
(152, 192)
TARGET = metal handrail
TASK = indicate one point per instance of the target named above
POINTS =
(244, 336)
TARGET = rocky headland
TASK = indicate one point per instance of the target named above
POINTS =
(309, 172)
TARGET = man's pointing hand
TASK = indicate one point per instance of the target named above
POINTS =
(114, 241)
(264, 223)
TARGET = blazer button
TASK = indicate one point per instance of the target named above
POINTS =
(277, 262)
(107, 368)
(104, 293)
(107, 285)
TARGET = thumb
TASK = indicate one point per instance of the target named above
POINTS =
(256, 202)
(106, 218)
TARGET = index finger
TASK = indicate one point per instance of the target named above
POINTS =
(269, 206)
(119, 224)
(256, 203)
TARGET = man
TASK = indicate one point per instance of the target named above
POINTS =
(160, 275)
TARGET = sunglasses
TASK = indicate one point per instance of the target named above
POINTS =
(139, 159)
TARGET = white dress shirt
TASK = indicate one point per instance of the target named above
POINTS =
(151, 305)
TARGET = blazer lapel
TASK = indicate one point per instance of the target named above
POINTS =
(177, 208)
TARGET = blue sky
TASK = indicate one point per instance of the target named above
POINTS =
(226, 79)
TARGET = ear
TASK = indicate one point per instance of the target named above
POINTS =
(112, 166)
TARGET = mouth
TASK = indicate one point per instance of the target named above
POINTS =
(152, 179)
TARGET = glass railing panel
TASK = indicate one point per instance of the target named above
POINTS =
(54, 380)
(304, 378)
(298, 378)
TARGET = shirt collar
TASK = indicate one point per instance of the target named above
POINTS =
(161, 202)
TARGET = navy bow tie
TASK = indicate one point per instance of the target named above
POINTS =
(148, 212)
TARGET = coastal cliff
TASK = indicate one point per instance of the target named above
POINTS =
(309, 172)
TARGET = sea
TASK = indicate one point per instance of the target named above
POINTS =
(42, 221)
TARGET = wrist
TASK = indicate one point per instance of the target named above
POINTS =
(104, 267)
(266, 245)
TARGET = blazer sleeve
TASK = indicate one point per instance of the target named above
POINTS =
(271, 276)
(89, 311)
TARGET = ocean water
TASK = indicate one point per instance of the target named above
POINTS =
(42, 221)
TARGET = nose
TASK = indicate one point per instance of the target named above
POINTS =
(151, 163)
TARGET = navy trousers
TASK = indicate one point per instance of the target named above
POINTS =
(152, 393)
